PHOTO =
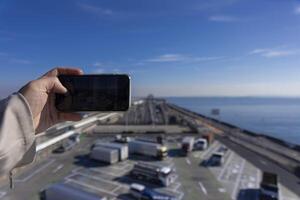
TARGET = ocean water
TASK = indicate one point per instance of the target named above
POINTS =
(277, 117)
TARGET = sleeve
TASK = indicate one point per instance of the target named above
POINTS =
(17, 135)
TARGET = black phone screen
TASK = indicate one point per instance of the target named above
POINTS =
(94, 93)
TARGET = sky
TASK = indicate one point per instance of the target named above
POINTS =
(169, 47)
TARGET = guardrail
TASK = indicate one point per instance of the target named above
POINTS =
(68, 133)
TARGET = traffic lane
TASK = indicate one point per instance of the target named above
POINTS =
(286, 178)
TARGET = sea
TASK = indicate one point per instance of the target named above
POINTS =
(278, 117)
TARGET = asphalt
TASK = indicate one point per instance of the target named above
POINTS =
(286, 178)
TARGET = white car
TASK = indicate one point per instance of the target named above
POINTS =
(136, 190)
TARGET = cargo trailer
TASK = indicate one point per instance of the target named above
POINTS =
(105, 155)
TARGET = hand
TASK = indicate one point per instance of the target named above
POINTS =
(40, 95)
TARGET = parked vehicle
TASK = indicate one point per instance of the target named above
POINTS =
(105, 155)
(75, 138)
(269, 189)
(148, 149)
(200, 144)
(122, 148)
(122, 139)
(68, 192)
(187, 144)
(65, 146)
(152, 172)
(217, 159)
(139, 191)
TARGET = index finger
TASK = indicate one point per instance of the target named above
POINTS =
(67, 71)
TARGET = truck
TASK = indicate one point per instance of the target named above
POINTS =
(163, 175)
(148, 149)
(122, 148)
(200, 144)
(269, 189)
(209, 137)
(187, 144)
(68, 192)
(103, 154)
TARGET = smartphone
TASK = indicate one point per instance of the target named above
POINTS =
(105, 92)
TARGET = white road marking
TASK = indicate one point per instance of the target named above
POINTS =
(225, 166)
(263, 162)
(58, 168)
(257, 177)
(210, 149)
(91, 186)
(35, 172)
(2, 194)
(95, 178)
(188, 161)
(237, 182)
(202, 188)
(118, 187)
(222, 190)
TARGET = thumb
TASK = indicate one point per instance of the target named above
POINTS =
(53, 85)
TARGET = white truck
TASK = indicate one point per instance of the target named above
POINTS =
(122, 148)
(163, 175)
(105, 155)
(187, 144)
(148, 149)
(67, 192)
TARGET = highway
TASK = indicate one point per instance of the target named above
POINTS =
(287, 179)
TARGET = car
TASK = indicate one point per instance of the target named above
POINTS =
(140, 192)
(217, 159)
(66, 146)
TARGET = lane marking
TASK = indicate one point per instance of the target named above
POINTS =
(95, 178)
(35, 172)
(222, 190)
(237, 182)
(202, 188)
(210, 149)
(188, 161)
(257, 178)
(263, 162)
(228, 161)
(58, 168)
(91, 187)
(2, 194)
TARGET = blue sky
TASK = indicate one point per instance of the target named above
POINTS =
(170, 47)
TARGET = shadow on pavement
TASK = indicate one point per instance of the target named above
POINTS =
(127, 179)
(248, 194)
(125, 196)
(85, 161)
(136, 157)
(176, 153)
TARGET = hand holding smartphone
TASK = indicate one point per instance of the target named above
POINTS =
(105, 92)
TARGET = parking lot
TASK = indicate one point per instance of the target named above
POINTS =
(113, 181)
(235, 179)
(239, 178)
